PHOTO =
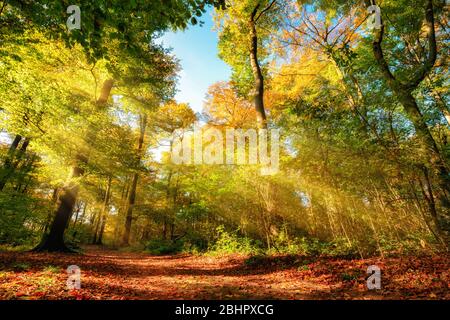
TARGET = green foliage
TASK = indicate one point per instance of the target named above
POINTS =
(354, 178)
(52, 269)
(129, 23)
(164, 247)
(234, 38)
(19, 266)
(231, 242)
(20, 218)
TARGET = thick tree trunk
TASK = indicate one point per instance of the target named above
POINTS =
(429, 144)
(403, 91)
(55, 240)
(132, 192)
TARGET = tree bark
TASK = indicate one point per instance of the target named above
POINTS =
(403, 91)
(414, 114)
(54, 242)
(99, 238)
(132, 193)
(8, 167)
(257, 73)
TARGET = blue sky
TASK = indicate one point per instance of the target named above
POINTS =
(196, 48)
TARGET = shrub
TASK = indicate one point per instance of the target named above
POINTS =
(163, 247)
(228, 243)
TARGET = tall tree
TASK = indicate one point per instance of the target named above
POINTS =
(243, 34)
(98, 234)
(132, 193)
(54, 241)
(404, 85)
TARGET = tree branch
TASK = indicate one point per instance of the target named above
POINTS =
(265, 10)
(254, 12)
(379, 57)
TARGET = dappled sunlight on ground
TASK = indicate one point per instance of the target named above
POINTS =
(119, 275)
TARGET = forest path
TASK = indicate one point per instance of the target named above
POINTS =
(107, 274)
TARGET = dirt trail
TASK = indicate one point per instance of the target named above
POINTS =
(118, 275)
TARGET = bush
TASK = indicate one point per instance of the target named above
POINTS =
(228, 243)
(313, 247)
(20, 218)
(164, 247)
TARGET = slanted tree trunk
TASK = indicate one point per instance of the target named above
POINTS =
(132, 193)
(403, 90)
(258, 76)
(258, 93)
(55, 240)
(8, 167)
(423, 133)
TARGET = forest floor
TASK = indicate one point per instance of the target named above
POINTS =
(107, 274)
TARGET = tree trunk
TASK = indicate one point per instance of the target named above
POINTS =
(426, 138)
(104, 213)
(8, 167)
(77, 215)
(55, 240)
(257, 75)
(96, 228)
(403, 91)
(132, 192)
(48, 220)
(256, 68)
(434, 158)
(102, 231)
